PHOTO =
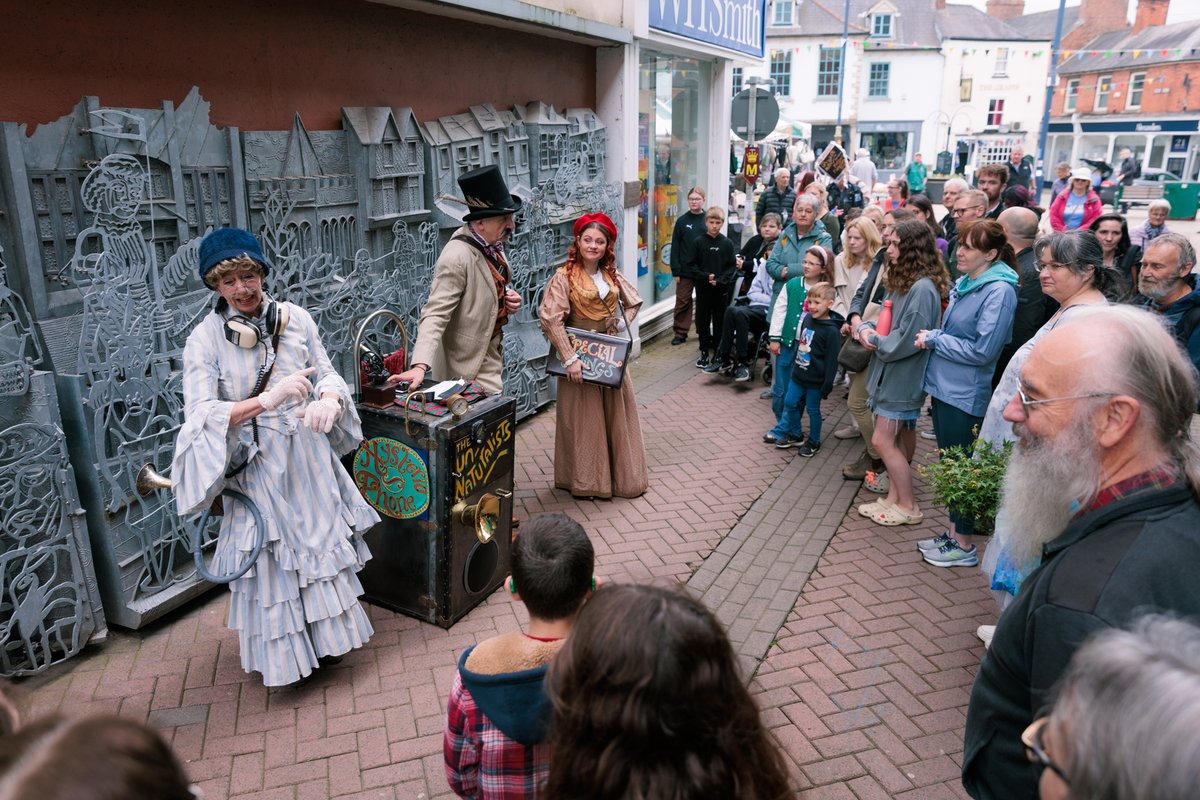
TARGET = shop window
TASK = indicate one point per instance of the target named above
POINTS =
(1103, 86)
(674, 102)
(1137, 82)
(1001, 70)
(738, 77)
(1072, 97)
(781, 72)
(881, 26)
(879, 78)
(992, 152)
(781, 12)
(995, 116)
(889, 150)
(829, 72)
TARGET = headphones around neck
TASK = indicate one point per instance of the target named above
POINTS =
(246, 333)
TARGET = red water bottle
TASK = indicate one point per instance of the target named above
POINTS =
(883, 326)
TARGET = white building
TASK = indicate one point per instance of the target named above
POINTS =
(921, 76)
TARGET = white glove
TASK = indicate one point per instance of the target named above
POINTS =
(294, 387)
(319, 415)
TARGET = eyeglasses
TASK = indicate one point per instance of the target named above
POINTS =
(1026, 402)
(958, 212)
(1036, 752)
(1044, 265)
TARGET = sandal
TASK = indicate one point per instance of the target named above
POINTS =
(877, 482)
(891, 516)
(867, 509)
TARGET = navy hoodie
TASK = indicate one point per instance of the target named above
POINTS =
(817, 349)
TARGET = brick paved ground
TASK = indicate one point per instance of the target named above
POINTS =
(865, 684)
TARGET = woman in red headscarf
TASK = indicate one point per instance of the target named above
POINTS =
(598, 448)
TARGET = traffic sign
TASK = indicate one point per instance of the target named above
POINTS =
(766, 112)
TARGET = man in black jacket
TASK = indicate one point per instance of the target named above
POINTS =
(1100, 496)
(778, 198)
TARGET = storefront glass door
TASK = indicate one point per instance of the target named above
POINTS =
(672, 134)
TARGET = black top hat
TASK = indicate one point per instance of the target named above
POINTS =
(486, 195)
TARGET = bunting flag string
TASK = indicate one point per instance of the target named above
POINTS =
(871, 45)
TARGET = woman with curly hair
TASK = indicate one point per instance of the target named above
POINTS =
(598, 447)
(916, 283)
(649, 703)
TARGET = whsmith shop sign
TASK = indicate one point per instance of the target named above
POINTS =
(732, 24)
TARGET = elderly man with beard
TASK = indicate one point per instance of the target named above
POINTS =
(1169, 288)
(1102, 490)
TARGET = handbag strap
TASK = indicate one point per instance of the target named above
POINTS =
(871, 304)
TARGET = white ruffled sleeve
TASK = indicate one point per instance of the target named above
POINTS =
(205, 444)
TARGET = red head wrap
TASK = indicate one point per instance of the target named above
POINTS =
(599, 217)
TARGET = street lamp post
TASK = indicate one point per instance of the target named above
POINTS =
(1044, 133)
(837, 131)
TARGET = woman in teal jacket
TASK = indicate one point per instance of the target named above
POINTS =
(976, 326)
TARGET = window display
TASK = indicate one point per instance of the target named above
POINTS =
(673, 107)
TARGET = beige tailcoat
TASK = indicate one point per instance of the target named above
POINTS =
(454, 334)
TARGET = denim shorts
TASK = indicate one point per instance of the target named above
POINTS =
(909, 418)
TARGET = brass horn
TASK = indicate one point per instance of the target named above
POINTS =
(483, 517)
(148, 480)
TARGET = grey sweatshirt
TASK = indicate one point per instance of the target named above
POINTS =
(897, 372)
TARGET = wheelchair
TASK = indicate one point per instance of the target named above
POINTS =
(763, 350)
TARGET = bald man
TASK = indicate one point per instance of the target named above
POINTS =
(1033, 306)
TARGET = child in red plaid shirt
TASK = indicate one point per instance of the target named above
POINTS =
(494, 744)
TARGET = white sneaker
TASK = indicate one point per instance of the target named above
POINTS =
(928, 434)
(986, 632)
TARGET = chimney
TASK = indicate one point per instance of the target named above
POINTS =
(1000, 9)
(1095, 18)
(1150, 13)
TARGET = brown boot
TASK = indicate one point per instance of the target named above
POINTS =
(857, 470)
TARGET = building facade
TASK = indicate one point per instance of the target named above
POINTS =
(1134, 88)
(936, 78)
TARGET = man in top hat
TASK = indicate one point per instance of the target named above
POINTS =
(458, 335)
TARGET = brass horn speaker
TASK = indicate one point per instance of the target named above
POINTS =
(483, 517)
(148, 480)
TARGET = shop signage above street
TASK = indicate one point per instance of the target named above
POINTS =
(1129, 125)
(733, 24)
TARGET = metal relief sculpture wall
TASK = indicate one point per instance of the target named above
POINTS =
(49, 600)
(107, 206)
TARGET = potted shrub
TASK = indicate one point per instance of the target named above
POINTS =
(969, 480)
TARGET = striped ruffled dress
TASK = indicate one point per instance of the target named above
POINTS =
(299, 601)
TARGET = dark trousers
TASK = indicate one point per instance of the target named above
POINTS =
(683, 306)
(953, 426)
(710, 311)
(742, 327)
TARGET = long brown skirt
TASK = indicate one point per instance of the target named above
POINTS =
(598, 447)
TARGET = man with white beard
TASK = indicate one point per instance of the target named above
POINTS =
(1102, 489)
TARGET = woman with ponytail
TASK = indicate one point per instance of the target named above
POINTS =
(976, 326)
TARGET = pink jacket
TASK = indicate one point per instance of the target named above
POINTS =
(1092, 208)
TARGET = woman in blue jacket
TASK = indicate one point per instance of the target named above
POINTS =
(976, 326)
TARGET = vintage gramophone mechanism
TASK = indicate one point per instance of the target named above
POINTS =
(374, 369)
